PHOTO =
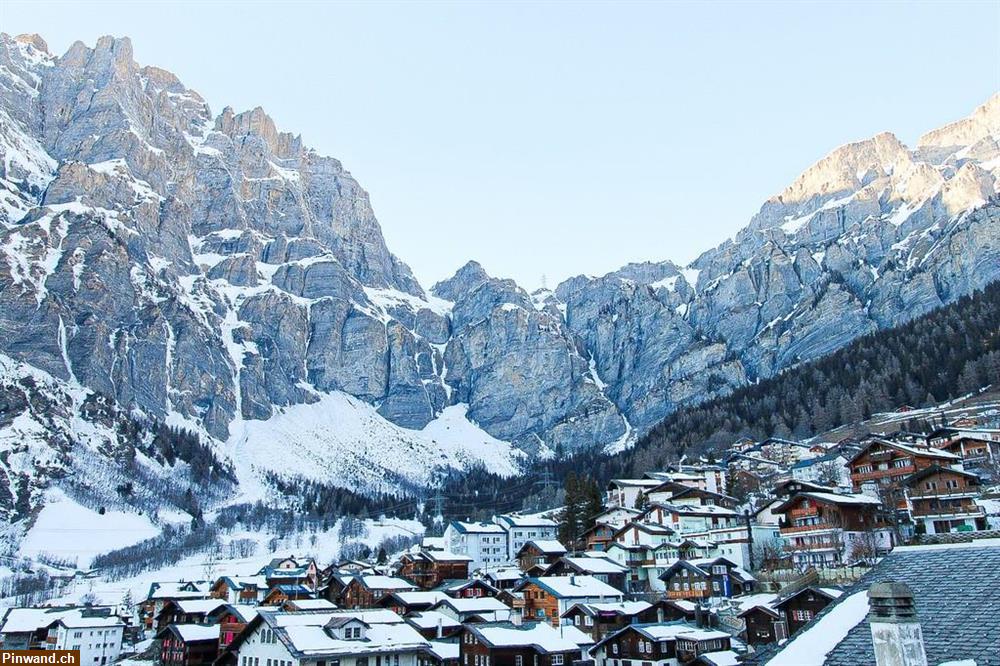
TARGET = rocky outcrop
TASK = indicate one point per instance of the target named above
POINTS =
(213, 270)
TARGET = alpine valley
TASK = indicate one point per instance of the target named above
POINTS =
(161, 265)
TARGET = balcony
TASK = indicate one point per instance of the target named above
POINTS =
(802, 529)
(826, 544)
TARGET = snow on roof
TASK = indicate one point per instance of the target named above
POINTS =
(313, 640)
(190, 633)
(810, 647)
(376, 582)
(540, 635)
(474, 604)
(748, 601)
(547, 545)
(446, 556)
(681, 630)
(636, 483)
(723, 658)
(576, 586)
(617, 607)
(597, 565)
(370, 616)
(519, 520)
(476, 528)
(431, 619)
(576, 635)
(19, 620)
(842, 499)
(172, 590)
(199, 605)
(313, 604)
(420, 597)
(444, 650)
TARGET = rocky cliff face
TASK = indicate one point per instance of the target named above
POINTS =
(212, 271)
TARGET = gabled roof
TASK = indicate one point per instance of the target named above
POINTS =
(520, 520)
(616, 608)
(191, 633)
(935, 469)
(539, 636)
(431, 619)
(826, 592)
(573, 587)
(857, 500)
(590, 565)
(378, 582)
(545, 546)
(204, 606)
(703, 567)
(944, 580)
(665, 631)
(905, 448)
(472, 604)
(414, 597)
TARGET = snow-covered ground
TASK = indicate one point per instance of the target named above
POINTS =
(343, 440)
(322, 545)
(69, 531)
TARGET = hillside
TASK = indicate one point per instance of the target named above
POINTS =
(210, 273)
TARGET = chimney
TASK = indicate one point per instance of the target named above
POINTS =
(440, 629)
(896, 634)
(699, 616)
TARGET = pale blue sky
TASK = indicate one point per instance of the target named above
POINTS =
(562, 138)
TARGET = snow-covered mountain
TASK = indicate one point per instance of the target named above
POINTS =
(211, 272)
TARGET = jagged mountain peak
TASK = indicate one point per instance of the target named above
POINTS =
(981, 126)
(466, 279)
(35, 40)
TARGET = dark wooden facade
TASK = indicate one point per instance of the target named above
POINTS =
(474, 651)
(175, 651)
(427, 571)
(801, 607)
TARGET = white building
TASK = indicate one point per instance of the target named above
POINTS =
(335, 638)
(98, 638)
(485, 543)
(522, 529)
(830, 469)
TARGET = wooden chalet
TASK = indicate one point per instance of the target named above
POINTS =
(428, 569)
(798, 608)
(599, 536)
(942, 500)
(823, 529)
(539, 554)
(434, 625)
(231, 620)
(706, 578)
(527, 644)
(599, 620)
(188, 644)
(283, 592)
(603, 569)
(468, 589)
(667, 643)
(162, 592)
(405, 602)
(187, 611)
(240, 589)
(366, 591)
(882, 463)
(546, 598)
(763, 625)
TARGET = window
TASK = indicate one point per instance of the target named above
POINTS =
(518, 660)
(589, 621)
(614, 648)
(715, 585)
(557, 660)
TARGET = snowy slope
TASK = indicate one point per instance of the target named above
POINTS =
(344, 441)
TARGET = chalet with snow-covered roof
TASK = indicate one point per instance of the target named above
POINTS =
(616, 516)
(468, 589)
(504, 578)
(430, 568)
(704, 579)
(546, 598)
(434, 625)
(93, 630)
(329, 638)
(943, 500)
(161, 592)
(187, 611)
(599, 620)
(231, 619)
(240, 589)
(598, 536)
(282, 593)
(664, 644)
(882, 464)
(404, 602)
(521, 529)
(366, 591)
(603, 569)
(763, 624)
(538, 554)
(646, 563)
(978, 454)
(527, 644)
(307, 604)
(188, 644)
(482, 609)
(674, 492)
(823, 529)
(801, 606)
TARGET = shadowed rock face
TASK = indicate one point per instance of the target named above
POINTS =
(212, 269)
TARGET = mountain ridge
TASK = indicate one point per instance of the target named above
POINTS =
(215, 273)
